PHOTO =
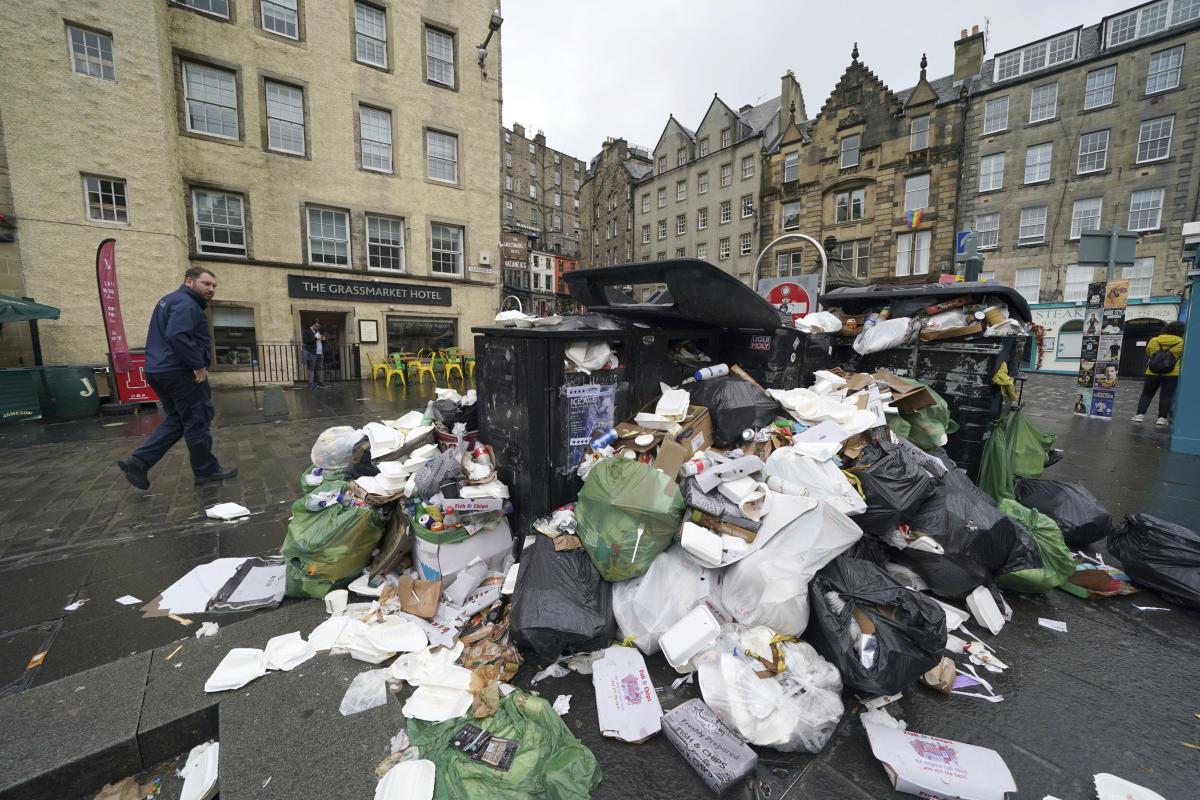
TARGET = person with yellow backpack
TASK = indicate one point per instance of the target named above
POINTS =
(1165, 353)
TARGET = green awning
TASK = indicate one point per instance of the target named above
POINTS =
(14, 309)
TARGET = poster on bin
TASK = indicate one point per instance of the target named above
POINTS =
(591, 410)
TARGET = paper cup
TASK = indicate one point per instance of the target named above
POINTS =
(335, 601)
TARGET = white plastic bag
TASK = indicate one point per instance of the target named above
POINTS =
(819, 322)
(366, 691)
(770, 587)
(822, 479)
(647, 606)
(954, 318)
(334, 448)
(883, 335)
(796, 710)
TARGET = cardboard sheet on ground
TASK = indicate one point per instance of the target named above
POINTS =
(626, 704)
(226, 584)
(939, 768)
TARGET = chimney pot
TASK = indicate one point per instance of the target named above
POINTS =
(963, 35)
(974, 29)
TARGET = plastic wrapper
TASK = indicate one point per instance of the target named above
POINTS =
(1079, 515)
(647, 606)
(894, 486)
(883, 335)
(560, 604)
(1160, 555)
(733, 405)
(769, 586)
(366, 691)
(822, 480)
(627, 514)
(327, 549)
(334, 448)
(819, 322)
(908, 628)
(1057, 562)
(978, 541)
(796, 710)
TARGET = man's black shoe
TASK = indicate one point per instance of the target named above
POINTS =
(135, 471)
(219, 475)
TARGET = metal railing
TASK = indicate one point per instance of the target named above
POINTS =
(284, 363)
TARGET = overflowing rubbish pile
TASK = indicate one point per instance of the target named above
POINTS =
(795, 553)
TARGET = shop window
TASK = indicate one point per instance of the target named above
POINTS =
(233, 336)
(1070, 340)
(410, 335)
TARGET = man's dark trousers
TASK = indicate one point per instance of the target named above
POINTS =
(189, 410)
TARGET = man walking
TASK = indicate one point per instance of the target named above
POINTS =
(314, 346)
(178, 352)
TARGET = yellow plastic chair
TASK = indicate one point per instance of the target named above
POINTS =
(376, 367)
(399, 369)
(423, 366)
(452, 361)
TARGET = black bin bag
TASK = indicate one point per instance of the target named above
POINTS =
(733, 405)
(894, 486)
(561, 604)
(979, 541)
(1160, 555)
(909, 627)
(449, 413)
(1079, 515)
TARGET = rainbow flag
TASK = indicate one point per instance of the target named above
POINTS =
(914, 218)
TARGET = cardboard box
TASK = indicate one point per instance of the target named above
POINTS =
(695, 432)
(445, 561)
(717, 754)
(627, 706)
(929, 335)
(939, 768)
(905, 396)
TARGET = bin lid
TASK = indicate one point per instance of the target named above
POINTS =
(855, 300)
(696, 292)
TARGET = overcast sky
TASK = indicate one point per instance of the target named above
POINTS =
(581, 70)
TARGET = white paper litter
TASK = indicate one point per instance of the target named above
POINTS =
(288, 651)
(74, 605)
(227, 511)
(191, 593)
(1151, 608)
(200, 772)
(1053, 624)
(240, 666)
(128, 600)
(562, 704)
(206, 629)
(1110, 787)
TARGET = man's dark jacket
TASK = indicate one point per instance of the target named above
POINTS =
(310, 340)
(178, 338)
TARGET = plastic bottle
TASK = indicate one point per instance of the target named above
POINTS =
(428, 418)
(715, 371)
(319, 500)
(315, 477)
(607, 440)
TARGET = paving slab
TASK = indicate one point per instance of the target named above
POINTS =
(177, 713)
(39, 592)
(74, 735)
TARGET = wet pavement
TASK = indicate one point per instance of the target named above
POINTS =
(1115, 693)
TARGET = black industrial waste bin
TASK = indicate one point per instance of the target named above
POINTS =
(539, 416)
(960, 370)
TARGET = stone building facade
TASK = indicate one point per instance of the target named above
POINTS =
(872, 177)
(1090, 127)
(702, 199)
(608, 203)
(541, 191)
(332, 161)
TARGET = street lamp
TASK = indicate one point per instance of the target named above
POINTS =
(493, 25)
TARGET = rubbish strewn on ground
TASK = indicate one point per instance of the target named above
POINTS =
(939, 768)
(201, 772)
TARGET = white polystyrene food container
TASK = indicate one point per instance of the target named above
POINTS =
(683, 640)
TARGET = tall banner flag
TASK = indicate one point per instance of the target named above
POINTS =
(110, 305)
(1100, 354)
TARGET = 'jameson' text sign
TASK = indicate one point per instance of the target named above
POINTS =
(370, 291)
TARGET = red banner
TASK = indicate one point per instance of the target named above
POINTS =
(132, 386)
(110, 304)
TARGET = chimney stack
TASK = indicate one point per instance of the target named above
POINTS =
(968, 54)
(790, 93)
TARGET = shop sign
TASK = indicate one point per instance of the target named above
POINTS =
(368, 291)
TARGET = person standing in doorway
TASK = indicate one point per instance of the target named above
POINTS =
(178, 353)
(314, 344)
(1165, 353)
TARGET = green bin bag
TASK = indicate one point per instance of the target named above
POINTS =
(619, 497)
(995, 472)
(1029, 446)
(1057, 562)
(329, 479)
(926, 427)
(327, 549)
(550, 763)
